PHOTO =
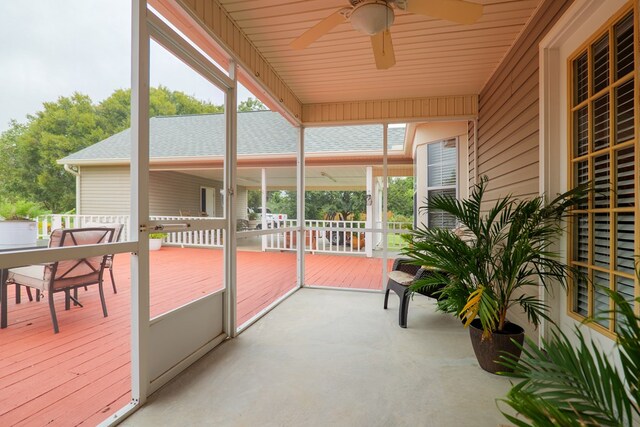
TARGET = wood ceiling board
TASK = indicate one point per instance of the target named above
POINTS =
(261, 18)
(425, 60)
(409, 38)
(434, 57)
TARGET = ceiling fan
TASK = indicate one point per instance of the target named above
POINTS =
(375, 17)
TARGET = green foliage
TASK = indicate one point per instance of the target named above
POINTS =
(283, 202)
(29, 152)
(62, 127)
(254, 199)
(251, 104)
(569, 384)
(164, 102)
(317, 203)
(20, 210)
(401, 218)
(400, 197)
(337, 204)
(157, 235)
(510, 251)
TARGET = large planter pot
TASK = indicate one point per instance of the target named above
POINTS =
(488, 351)
(155, 244)
(357, 243)
(16, 234)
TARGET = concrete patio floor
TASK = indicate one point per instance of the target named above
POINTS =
(326, 357)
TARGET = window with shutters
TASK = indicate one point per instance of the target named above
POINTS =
(442, 178)
(604, 150)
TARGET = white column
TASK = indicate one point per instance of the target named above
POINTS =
(370, 223)
(385, 239)
(264, 208)
(139, 201)
(300, 208)
(230, 172)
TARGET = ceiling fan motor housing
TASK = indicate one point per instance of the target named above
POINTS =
(371, 17)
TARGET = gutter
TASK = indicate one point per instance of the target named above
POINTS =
(73, 170)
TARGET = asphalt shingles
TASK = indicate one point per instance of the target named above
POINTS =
(259, 132)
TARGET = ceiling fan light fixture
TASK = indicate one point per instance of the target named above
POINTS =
(372, 18)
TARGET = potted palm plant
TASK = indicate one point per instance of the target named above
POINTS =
(571, 382)
(509, 253)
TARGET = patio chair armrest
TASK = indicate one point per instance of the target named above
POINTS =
(404, 264)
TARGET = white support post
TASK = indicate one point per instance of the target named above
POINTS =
(230, 174)
(385, 225)
(263, 219)
(300, 186)
(139, 201)
(370, 223)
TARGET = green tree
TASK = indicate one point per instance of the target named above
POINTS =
(254, 199)
(62, 127)
(29, 152)
(283, 202)
(164, 102)
(114, 112)
(400, 196)
(251, 104)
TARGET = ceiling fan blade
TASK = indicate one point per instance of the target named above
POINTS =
(319, 30)
(383, 50)
(460, 11)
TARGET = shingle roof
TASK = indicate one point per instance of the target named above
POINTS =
(259, 132)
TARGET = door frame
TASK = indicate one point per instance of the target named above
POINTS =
(147, 26)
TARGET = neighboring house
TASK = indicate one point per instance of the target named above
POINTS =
(186, 153)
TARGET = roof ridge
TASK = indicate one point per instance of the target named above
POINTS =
(171, 116)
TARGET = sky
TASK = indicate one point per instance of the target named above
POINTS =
(52, 48)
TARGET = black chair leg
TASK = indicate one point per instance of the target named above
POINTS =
(29, 293)
(67, 299)
(113, 282)
(404, 309)
(386, 297)
(18, 294)
(38, 294)
(104, 304)
(52, 309)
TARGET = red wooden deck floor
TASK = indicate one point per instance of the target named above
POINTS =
(82, 374)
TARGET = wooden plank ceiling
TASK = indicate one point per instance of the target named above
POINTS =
(433, 57)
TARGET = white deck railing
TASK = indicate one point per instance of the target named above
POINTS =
(343, 237)
(191, 238)
(47, 223)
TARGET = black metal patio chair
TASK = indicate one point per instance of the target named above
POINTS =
(403, 275)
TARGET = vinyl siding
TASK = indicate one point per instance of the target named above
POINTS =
(172, 192)
(508, 129)
(471, 163)
(508, 121)
(105, 190)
